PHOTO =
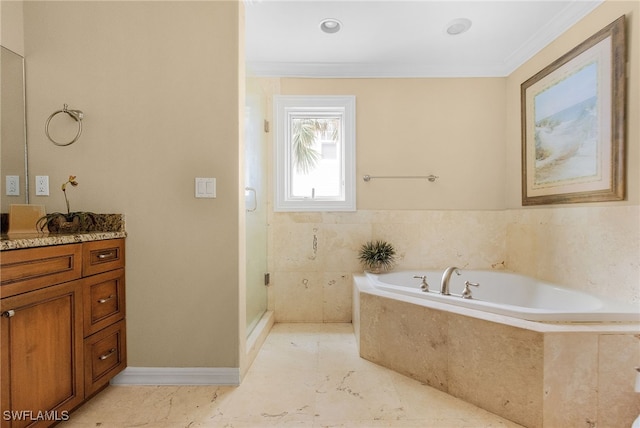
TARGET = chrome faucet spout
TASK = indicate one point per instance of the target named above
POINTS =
(446, 277)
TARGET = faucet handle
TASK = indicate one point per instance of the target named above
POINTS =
(466, 293)
(423, 286)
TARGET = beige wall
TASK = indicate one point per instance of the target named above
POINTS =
(453, 128)
(159, 83)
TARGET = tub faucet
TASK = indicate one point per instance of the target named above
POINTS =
(424, 286)
(446, 276)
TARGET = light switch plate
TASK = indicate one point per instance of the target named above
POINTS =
(205, 187)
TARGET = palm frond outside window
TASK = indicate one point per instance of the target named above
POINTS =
(307, 133)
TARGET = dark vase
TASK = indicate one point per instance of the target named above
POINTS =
(60, 224)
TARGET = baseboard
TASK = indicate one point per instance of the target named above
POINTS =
(259, 335)
(178, 376)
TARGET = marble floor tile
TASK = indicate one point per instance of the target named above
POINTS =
(305, 375)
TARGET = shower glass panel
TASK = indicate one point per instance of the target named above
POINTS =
(256, 206)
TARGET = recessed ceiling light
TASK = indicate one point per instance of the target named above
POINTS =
(330, 25)
(458, 26)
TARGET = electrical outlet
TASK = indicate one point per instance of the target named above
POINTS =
(42, 185)
(13, 185)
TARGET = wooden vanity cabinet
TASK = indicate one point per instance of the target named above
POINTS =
(62, 329)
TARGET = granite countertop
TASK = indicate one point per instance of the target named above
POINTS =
(110, 226)
(30, 240)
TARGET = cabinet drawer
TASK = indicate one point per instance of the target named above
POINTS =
(103, 300)
(104, 356)
(102, 256)
(34, 268)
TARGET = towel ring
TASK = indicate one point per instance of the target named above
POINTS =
(77, 115)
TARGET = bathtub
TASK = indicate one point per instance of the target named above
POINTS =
(509, 294)
(532, 352)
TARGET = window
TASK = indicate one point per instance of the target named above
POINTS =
(315, 153)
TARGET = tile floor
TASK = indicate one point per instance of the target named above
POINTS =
(305, 375)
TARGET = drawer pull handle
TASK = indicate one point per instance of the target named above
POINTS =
(106, 255)
(108, 354)
(9, 313)
(107, 299)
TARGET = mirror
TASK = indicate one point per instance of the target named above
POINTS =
(13, 134)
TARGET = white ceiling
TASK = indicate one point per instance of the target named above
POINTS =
(396, 38)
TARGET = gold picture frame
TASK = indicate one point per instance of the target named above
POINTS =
(573, 124)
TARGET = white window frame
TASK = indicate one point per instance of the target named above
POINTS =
(284, 107)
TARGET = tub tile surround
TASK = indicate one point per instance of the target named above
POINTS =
(486, 360)
(596, 249)
(531, 373)
(614, 357)
(593, 248)
(313, 255)
(571, 367)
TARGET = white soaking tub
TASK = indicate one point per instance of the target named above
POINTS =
(509, 294)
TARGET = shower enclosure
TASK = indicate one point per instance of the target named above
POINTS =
(256, 206)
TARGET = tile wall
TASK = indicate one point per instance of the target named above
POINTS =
(312, 255)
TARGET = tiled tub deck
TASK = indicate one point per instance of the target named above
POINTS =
(535, 374)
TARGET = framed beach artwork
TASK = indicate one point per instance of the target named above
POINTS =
(573, 124)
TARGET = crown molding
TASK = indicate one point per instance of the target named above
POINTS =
(567, 18)
(366, 70)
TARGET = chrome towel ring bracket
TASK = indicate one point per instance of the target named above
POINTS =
(255, 198)
(77, 115)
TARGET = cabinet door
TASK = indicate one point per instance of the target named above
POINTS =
(41, 355)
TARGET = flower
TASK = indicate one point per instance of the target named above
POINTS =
(74, 183)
